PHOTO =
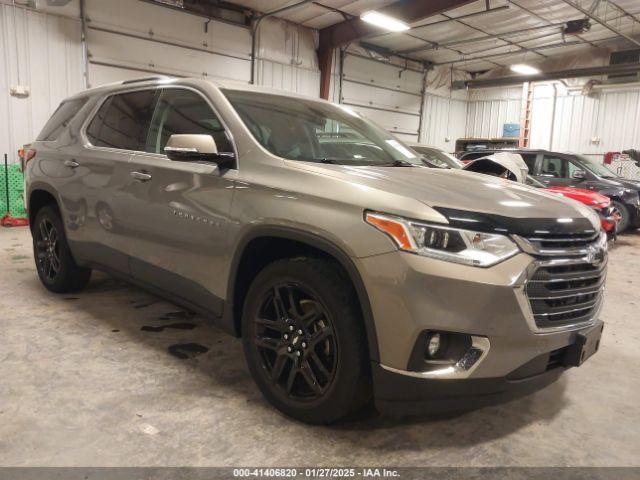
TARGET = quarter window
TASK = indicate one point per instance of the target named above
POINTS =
(123, 121)
(181, 111)
(60, 119)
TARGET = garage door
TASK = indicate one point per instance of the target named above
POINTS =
(148, 39)
(387, 94)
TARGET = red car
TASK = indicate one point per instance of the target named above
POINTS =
(600, 203)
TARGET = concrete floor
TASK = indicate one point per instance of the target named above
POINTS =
(83, 383)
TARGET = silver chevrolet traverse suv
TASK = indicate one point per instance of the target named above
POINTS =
(350, 271)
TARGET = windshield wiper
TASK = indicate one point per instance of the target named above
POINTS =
(398, 163)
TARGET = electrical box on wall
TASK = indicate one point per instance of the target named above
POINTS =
(19, 91)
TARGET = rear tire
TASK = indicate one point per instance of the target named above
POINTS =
(57, 270)
(625, 217)
(304, 340)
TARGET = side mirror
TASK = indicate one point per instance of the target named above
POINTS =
(197, 147)
(579, 175)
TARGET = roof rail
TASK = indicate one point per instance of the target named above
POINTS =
(145, 79)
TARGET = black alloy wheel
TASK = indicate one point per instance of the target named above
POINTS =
(296, 341)
(48, 249)
(56, 267)
(304, 339)
(620, 212)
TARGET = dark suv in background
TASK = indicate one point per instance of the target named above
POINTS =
(573, 170)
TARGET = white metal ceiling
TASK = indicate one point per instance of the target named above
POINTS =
(528, 30)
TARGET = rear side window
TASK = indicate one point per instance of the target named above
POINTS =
(60, 119)
(181, 111)
(123, 121)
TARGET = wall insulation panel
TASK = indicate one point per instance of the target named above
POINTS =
(287, 57)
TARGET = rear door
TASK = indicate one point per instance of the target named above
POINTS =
(182, 208)
(113, 133)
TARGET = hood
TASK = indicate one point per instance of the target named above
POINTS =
(503, 164)
(582, 195)
(628, 183)
(454, 190)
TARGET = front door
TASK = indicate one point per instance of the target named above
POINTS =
(180, 208)
(554, 171)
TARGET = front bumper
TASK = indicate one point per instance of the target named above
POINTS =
(634, 213)
(400, 394)
(409, 394)
(410, 294)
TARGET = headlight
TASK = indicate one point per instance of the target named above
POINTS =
(443, 242)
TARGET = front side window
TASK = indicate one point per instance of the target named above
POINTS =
(530, 160)
(313, 131)
(60, 119)
(553, 167)
(123, 121)
(181, 111)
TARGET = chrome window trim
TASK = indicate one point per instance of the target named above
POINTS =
(461, 369)
(89, 146)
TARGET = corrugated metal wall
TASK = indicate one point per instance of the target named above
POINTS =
(43, 52)
(490, 109)
(591, 125)
(443, 122)
(609, 120)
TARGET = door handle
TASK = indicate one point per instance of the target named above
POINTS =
(71, 164)
(142, 176)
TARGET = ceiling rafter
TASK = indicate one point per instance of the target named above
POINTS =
(515, 44)
(535, 14)
(602, 22)
(515, 52)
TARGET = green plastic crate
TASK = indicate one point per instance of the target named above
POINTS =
(16, 188)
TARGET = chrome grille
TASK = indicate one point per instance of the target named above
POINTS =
(568, 280)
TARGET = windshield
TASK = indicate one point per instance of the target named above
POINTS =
(595, 167)
(312, 131)
(438, 157)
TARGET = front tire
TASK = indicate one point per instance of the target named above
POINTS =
(304, 340)
(621, 211)
(57, 270)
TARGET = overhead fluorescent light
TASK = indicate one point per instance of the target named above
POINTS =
(524, 69)
(384, 21)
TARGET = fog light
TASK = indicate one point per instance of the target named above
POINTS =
(433, 345)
